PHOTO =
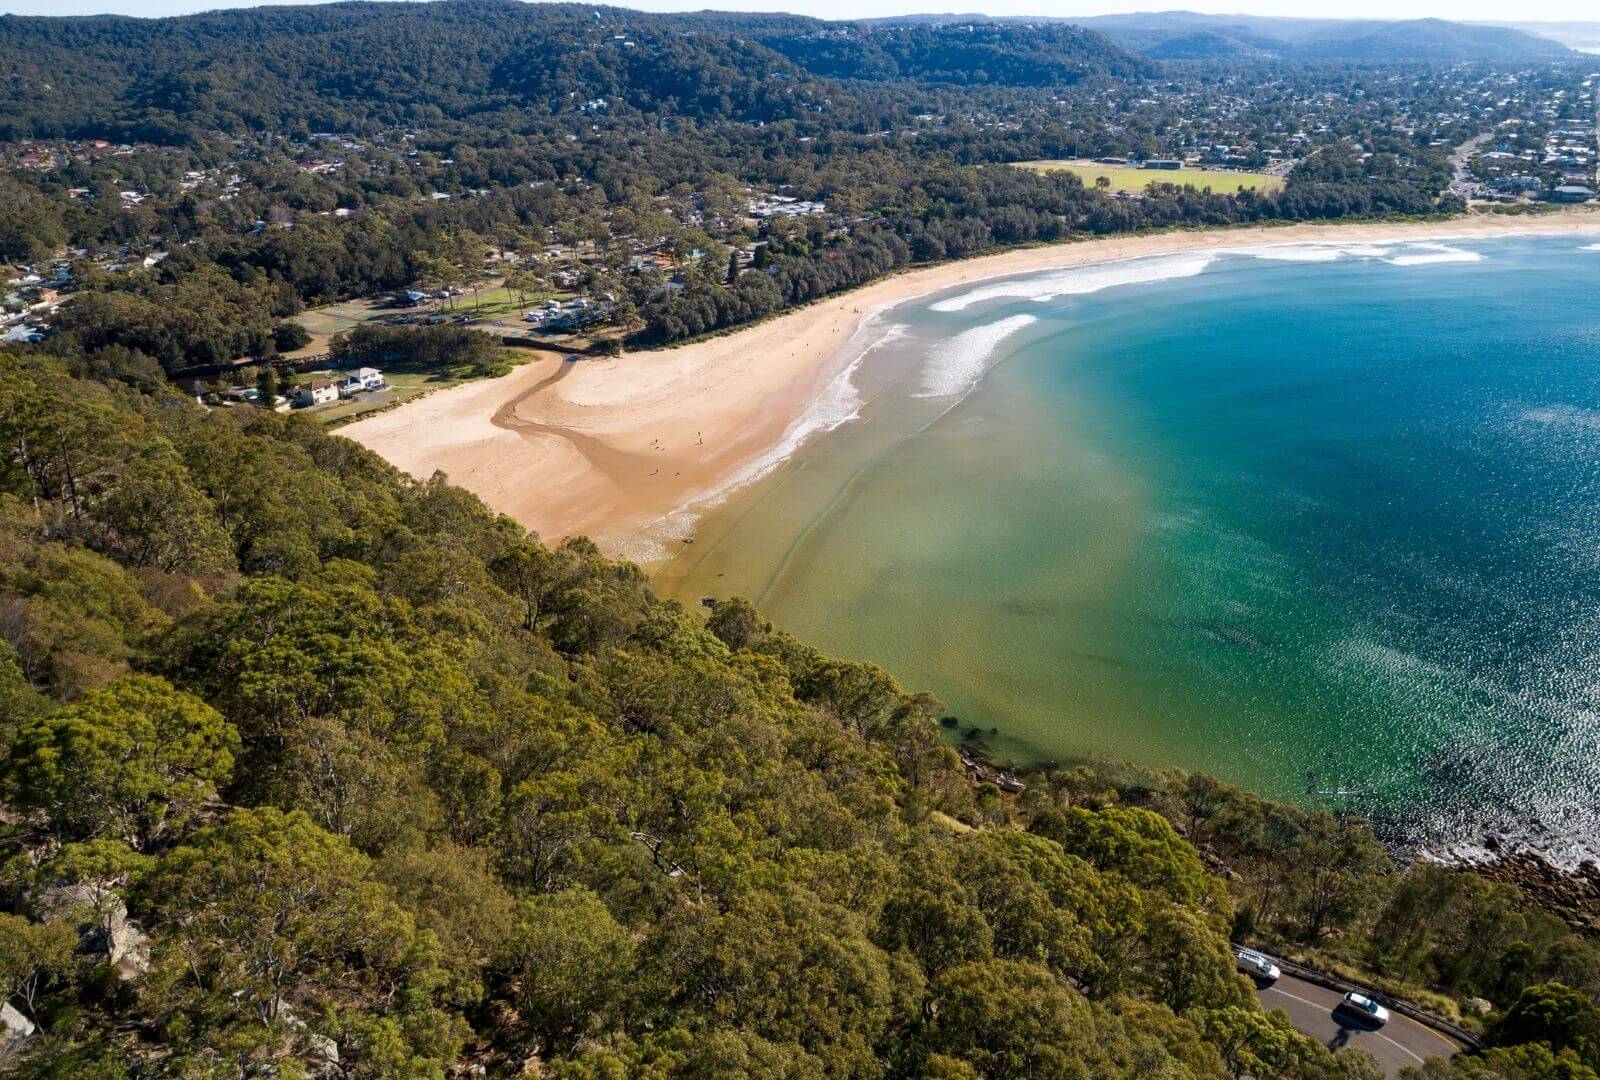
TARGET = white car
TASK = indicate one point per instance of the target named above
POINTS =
(1366, 1008)
(1255, 965)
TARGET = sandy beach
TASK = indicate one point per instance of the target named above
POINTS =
(610, 447)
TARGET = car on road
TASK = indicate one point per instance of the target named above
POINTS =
(1255, 965)
(1364, 1007)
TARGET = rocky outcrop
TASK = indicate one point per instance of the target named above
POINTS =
(325, 1050)
(108, 932)
(15, 1031)
(1571, 895)
(127, 949)
(984, 772)
(321, 1050)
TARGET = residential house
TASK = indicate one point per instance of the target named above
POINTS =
(360, 380)
(316, 392)
(23, 333)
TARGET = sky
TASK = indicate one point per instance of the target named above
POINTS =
(1481, 10)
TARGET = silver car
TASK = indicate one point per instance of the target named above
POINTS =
(1364, 1007)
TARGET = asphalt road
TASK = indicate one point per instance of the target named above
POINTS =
(1400, 1042)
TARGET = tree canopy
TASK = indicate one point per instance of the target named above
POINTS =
(373, 778)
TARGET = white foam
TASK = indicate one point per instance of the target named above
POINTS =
(1422, 253)
(1429, 254)
(1590, 247)
(955, 366)
(1298, 253)
(1566, 852)
(651, 545)
(1081, 280)
(838, 403)
(641, 550)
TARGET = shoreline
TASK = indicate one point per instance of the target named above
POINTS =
(614, 448)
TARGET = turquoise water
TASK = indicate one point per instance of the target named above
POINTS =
(1324, 523)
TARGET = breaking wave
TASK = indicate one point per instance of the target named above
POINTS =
(1299, 253)
(955, 366)
(1081, 280)
(1414, 253)
(1429, 254)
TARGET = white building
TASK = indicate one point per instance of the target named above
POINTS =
(316, 392)
(360, 380)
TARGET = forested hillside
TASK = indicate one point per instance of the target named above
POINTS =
(344, 66)
(1190, 35)
(994, 53)
(310, 768)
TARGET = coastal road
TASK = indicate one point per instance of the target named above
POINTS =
(1400, 1042)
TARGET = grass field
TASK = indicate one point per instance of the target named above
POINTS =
(492, 303)
(1124, 178)
(499, 302)
(324, 322)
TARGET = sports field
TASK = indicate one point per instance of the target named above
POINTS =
(1126, 178)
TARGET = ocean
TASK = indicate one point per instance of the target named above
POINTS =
(1319, 519)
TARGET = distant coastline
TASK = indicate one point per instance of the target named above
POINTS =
(614, 448)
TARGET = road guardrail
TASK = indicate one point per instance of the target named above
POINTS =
(1470, 1039)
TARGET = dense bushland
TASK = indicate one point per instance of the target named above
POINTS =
(311, 766)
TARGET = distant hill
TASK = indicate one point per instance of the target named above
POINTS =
(1209, 45)
(337, 66)
(1187, 35)
(1426, 39)
(1582, 36)
(982, 51)
(329, 67)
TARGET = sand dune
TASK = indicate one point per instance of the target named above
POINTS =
(606, 447)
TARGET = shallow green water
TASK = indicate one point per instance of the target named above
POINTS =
(1323, 523)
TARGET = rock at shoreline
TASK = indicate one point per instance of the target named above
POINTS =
(1571, 895)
